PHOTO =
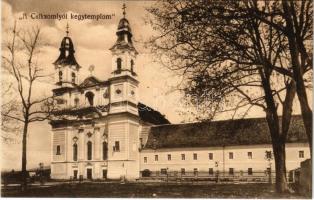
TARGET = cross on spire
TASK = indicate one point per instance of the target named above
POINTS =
(123, 8)
(67, 31)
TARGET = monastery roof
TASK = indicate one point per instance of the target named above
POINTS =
(220, 133)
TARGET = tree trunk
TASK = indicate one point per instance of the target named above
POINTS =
(24, 157)
(280, 166)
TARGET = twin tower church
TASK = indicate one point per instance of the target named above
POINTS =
(102, 131)
(96, 130)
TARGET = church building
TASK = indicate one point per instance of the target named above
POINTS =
(102, 131)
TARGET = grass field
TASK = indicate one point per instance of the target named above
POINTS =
(159, 190)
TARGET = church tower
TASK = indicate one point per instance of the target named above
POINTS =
(123, 117)
(66, 66)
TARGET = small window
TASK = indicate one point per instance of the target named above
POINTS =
(58, 150)
(194, 156)
(156, 157)
(163, 171)
(195, 171)
(249, 155)
(145, 159)
(231, 171)
(210, 171)
(132, 66)
(119, 64)
(169, 156)
(73, 77)
(210, 156)
(268, 154)
(230, 155)
(301, 154)
(60, 76)
(250, 171)
(182, 171)
(116, 146)
(182, 156)
(76, 102)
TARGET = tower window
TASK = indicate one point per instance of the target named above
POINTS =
(182, 156)
(90, 97)
(104, 151)
(89, 150)
(156, 157)
(116, 146)
(169, 156)
(132, 66)
(58, 150)
(119, 64)
(73, 77)
(75, 152)
(60, 76)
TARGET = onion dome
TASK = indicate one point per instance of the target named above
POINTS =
(124, 35)
(67, 51)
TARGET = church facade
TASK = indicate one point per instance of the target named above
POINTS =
(102, 131)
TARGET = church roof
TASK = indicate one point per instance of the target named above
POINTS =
(67, 51)
(220, 133)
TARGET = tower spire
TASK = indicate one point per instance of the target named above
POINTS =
(67, 31)
(123, 8)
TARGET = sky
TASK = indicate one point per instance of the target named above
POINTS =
(92, 40)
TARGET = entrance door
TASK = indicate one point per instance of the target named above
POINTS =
(89, 173)
(75, 174)
(104, 173)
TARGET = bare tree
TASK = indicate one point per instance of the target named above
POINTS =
(230, 58)
(294, 19)
(20, 62)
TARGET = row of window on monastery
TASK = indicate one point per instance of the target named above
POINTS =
(116, 148)
(211, 156)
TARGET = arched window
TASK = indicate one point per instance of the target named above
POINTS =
(104, 151)
(90, 97)
(119, 64)
(89, 150)
(73, 77)
(75, 152)
(76, 102)
(60, 76)
(132, 66)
